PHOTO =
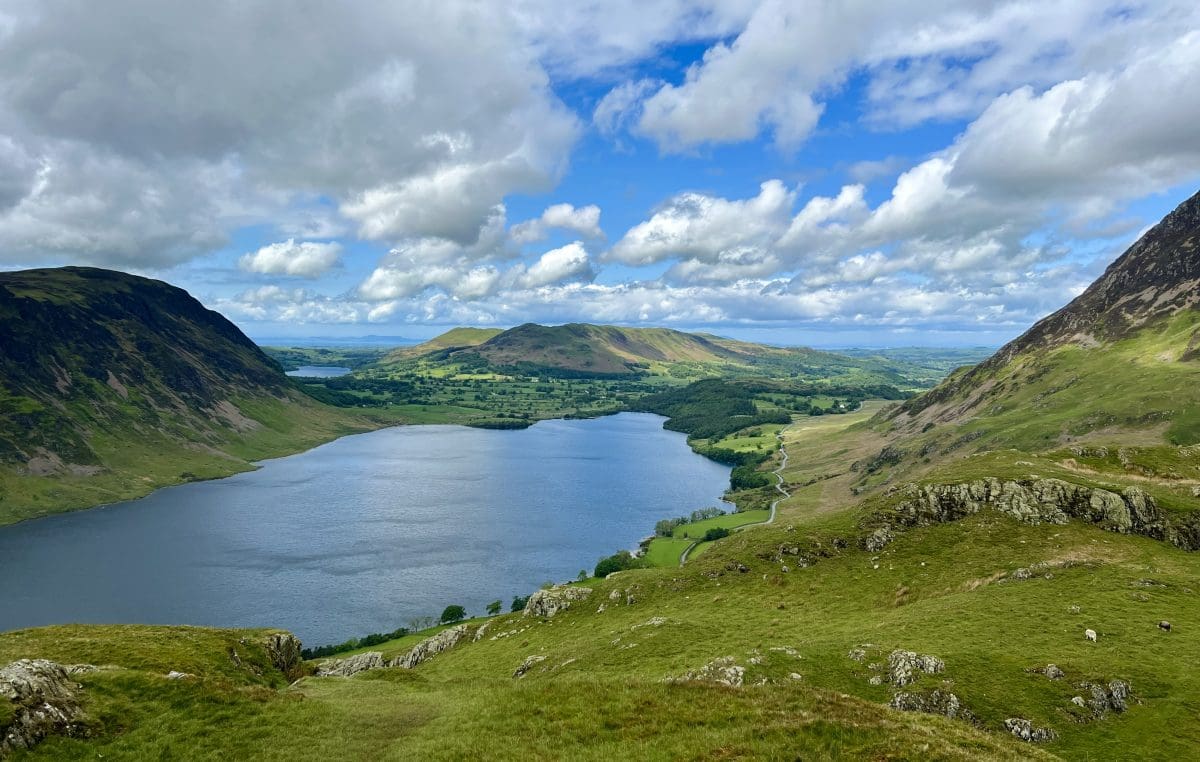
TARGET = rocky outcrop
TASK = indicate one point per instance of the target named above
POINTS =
(1102, 699)
(1038, 501)
(351, 665)
(722, 671)
(430, 647)
(1025, 730)
(42, 701)
(527, 665)
(878, 540)
(936, 701)
(904, 667)
(554, 600)
(284, 648)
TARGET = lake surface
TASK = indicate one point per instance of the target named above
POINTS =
(361, 534)
(318, 371)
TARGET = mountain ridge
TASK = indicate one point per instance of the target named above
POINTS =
(1154, 279)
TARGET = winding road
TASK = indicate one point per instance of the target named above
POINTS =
(783, 495)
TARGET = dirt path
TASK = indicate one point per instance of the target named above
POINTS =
(783, 495)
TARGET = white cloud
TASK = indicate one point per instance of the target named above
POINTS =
(936, 59)
(306, 259)
(584, 220)
(697, 226)
(621, 105)
(187, 121)
(557, 265)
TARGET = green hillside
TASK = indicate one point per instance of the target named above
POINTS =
(455, 338)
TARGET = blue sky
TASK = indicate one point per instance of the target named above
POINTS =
(826, 173)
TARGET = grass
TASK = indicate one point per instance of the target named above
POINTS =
(937, 590)
(666, 551)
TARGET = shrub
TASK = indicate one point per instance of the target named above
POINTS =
(453, 614)
(715, 533)
(619, 561)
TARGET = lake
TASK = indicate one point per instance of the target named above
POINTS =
(364, 533)
(318, 371)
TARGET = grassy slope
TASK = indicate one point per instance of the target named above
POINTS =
(455, 337)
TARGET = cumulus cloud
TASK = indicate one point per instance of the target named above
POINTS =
(584, 220)
(569, 262)
(621, 105)
(707, 229)
(306, 259)
(936, 59)
(415, 120)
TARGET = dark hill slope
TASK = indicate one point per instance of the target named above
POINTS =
(1122, 356)
(97, 366)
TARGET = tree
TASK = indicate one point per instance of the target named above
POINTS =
(453, 614)
(619, 561)
(518, 602)
(582, 576)
(715, 533)
(493, 608)
(418, 623)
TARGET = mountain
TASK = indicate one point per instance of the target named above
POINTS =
(111, 384)
(455, 338)
(1123, 357)
(586, 350)
(599, 348)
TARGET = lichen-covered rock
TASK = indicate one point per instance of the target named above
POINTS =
(936, 701)
(284, 650)
(1053, 672)
(722, 671)
(1102, 699)
(1038, 501)
(528, 665)
(351, 665)
(904, 667)
(42, 702)
(857, 654)
(1118, 695)
(554, 600)
(479, 633)
(430, 647)
(878, 540)
(1025, 730)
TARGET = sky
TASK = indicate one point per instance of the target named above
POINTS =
(822, 172)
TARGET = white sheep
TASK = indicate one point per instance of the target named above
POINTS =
(1090, 635)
